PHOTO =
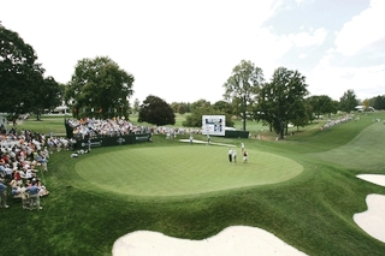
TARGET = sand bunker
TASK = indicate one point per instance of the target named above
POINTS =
(241, 240)
(237, 240)
(372, 221)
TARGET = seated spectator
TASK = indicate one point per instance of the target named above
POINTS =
(43, 190)
(17, 177)
(14, 183)
(8, 173)
(29, 175)
(15, 190)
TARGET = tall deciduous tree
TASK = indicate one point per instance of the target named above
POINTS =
(99, 87)
(181, 110)
(282, 100)
(242, 88)
(348, 101)
(195, 118)
(175, 106)
(156, 111)
(21, 77)
(202, 103)
(223, 106)
(322, 104)
(50, 94)
(378, 102)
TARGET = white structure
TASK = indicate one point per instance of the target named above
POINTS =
(362, 109)
(213, 125)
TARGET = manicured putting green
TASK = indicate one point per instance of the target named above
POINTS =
(182, 170)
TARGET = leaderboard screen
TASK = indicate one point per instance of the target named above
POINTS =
(213, 125)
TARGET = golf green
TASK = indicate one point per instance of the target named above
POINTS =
(182, 170)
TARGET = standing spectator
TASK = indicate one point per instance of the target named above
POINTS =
(33, 191)
(191, 139)
(46, 153)
(208, 139)
(40, 158)
(89, 143)
(24, 197)
(3, 194)
(230, 153)
(234, 156)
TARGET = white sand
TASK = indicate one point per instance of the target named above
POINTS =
(378, 179)
(241, 240)
(372, 221)
(237, 240)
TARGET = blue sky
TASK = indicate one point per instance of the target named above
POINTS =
(186, 50)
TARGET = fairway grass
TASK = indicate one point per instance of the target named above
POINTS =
(366, 151)
(182, 170)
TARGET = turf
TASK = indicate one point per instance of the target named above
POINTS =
(365, 151)
(182, 170)
(312, 211)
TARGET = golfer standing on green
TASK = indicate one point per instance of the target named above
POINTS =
(230, 155)
(234, 156)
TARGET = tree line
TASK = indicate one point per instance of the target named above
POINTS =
(100, 88)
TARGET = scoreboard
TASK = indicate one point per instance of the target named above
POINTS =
(213, 125)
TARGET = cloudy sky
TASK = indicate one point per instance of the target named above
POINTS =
(186, 50)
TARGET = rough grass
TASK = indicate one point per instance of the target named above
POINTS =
(313, 211)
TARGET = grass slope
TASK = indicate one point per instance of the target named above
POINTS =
(313, 212)
(366, 151)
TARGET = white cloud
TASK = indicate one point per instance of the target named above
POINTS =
(333, 81)
(184, 51)
(362, 30)
(302, 56)
(304, 39)
(175, 50)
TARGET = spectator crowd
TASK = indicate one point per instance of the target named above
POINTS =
(23, 157)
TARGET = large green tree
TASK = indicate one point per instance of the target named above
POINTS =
(201, 103)
(50, 94)
(99, 87)
(242, 88)
(156, 111)
(23, 87)
(195, 118)
(378, 102)
(348, 101)
(322, 104)
(282, 100)
(223, 106)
